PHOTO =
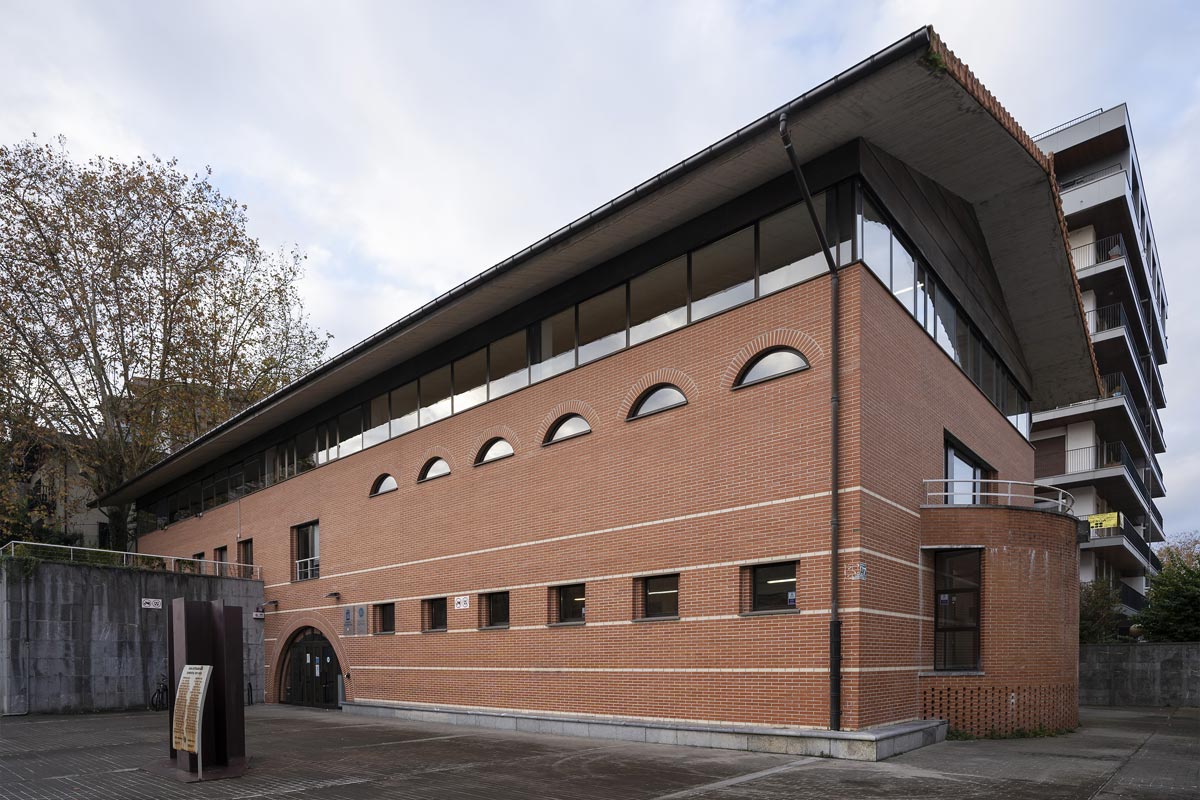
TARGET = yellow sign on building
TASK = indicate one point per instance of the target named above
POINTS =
(1110, 520)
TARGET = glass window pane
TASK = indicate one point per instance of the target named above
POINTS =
(922, 298)
(497, 608)
(957, 650)
(509, 364)
(962, 341)
(877, 243)
(404, 409)
(571, 603)
(377, 421)
(775, 586)
(773, 364)
(221, 487)
(252, 472)
(384, 483)
(987, 375)
(957, 569)
(554, 348)
(723, 274)
(658, 301)
(500, 448)
(470, 380)
(944, 321)
(306, 450)
(903, 268)
(662, 596)
(788, 249)
(350, 427)
(436, 614)
(434, 468)
(326, 441)
(434, 389)
(840, 229)
(602, 325)
(657, 400)
(957, 609)
(568, 426)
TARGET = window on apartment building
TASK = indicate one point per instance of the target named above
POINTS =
(964, 476)
(433, 614)
(956, 609)
(245, 556)
(385, 618)
(434, 468)
(376, 421)
(554, 344)
(307, 547)
(470, 380)
(658, 301)
(509, 364)
(495, 610)
(383, 484)
(494, 450)
(876, 242)
(404, 409)
(773, 587)
(221, 555)
(788, 249)
(657, 398)
(660, 596)
(771, 364)
(570, 605)
(435, 393)
(723, 274)
(566, 427)
(602, 324)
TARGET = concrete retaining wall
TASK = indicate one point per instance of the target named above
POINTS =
(75, 638)
(1140, 674)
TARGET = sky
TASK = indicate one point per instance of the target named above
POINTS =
(408, 146)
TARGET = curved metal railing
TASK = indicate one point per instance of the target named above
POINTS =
(993, 492)
(96, 557)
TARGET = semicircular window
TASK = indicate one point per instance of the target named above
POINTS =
(434, 468)
(384, 483)
(657, 398)
(566, 427)
(494, 450)
(772, 364)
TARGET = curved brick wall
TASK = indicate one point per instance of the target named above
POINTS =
(1029, 611)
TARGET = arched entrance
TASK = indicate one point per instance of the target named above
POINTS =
(310, 671)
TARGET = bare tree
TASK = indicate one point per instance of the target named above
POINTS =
(137, 310)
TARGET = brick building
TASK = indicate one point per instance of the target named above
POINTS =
(589, 490)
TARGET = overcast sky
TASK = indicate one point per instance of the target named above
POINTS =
(406, 147)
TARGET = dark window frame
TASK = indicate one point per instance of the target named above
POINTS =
(382, 613)
(424, 475)
(646, 591)
(482, 458)
(376, 489)
(741, 383)
(431, 609)
(560, 593)
(488, 620)
(939, 628)
(635, 410)
(314, 570)
(758, 607)
(552, 436)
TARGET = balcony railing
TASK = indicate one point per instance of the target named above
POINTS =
(1130, 533)
(1131, 597)
(89, 556)
(1109, 454)
(1098, 252)
(1154, 561)
(992, 492)
(1091, 176)
(308, 568)
(1107, 318)
(1094, 113)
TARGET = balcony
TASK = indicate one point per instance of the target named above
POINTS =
(997, 493)
(1123, 544)
(1109, 467)
(1131, 598)
(1117, 348)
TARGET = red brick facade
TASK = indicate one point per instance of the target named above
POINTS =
(732, 479)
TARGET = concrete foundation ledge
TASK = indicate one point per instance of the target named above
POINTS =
(871, 744)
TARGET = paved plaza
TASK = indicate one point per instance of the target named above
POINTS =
(1116, 753)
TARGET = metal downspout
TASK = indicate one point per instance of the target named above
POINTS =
(835, 622)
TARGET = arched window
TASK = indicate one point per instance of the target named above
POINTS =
(657, 398)
(495, 449)
(384, 483)
(434, 468)
(567, 426)
(771, 364)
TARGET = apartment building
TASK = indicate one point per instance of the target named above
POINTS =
(678, 472)
(1105, 450)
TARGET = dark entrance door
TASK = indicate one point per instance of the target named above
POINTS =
(310, 671)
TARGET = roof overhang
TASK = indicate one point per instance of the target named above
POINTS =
(914, 99)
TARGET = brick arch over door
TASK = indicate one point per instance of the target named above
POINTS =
(297, 623)
(780, 337)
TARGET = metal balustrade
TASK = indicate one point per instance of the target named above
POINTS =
(1131, 597)
(96, 557)
(1099, 251)
(1094, 113)
(308, 568)
(993, 492)
(1091, 176)
(1107, 318)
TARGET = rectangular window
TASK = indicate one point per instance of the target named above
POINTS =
(661, 596)
(385, 618)
(470, 380)
(788, 249)
(571, 605)
(327, 442)
(221, 555)
(404, 409)
(350, 428)
(602, 325)
(308, 551)
(956, 609)
(554, 345)
(434, 616)
(306, 450)
(245, 555)
(495, 610)
(658, 301)
(903, 270)
(208, 487)
(944, 310)
(876, 242)
(723, 274)
(252, 473)
(963, 474)
(509, 365)
(435, 391)
(774, 587)
(923, 298)
(377, 419)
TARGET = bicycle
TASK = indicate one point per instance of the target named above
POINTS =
(158, 701)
